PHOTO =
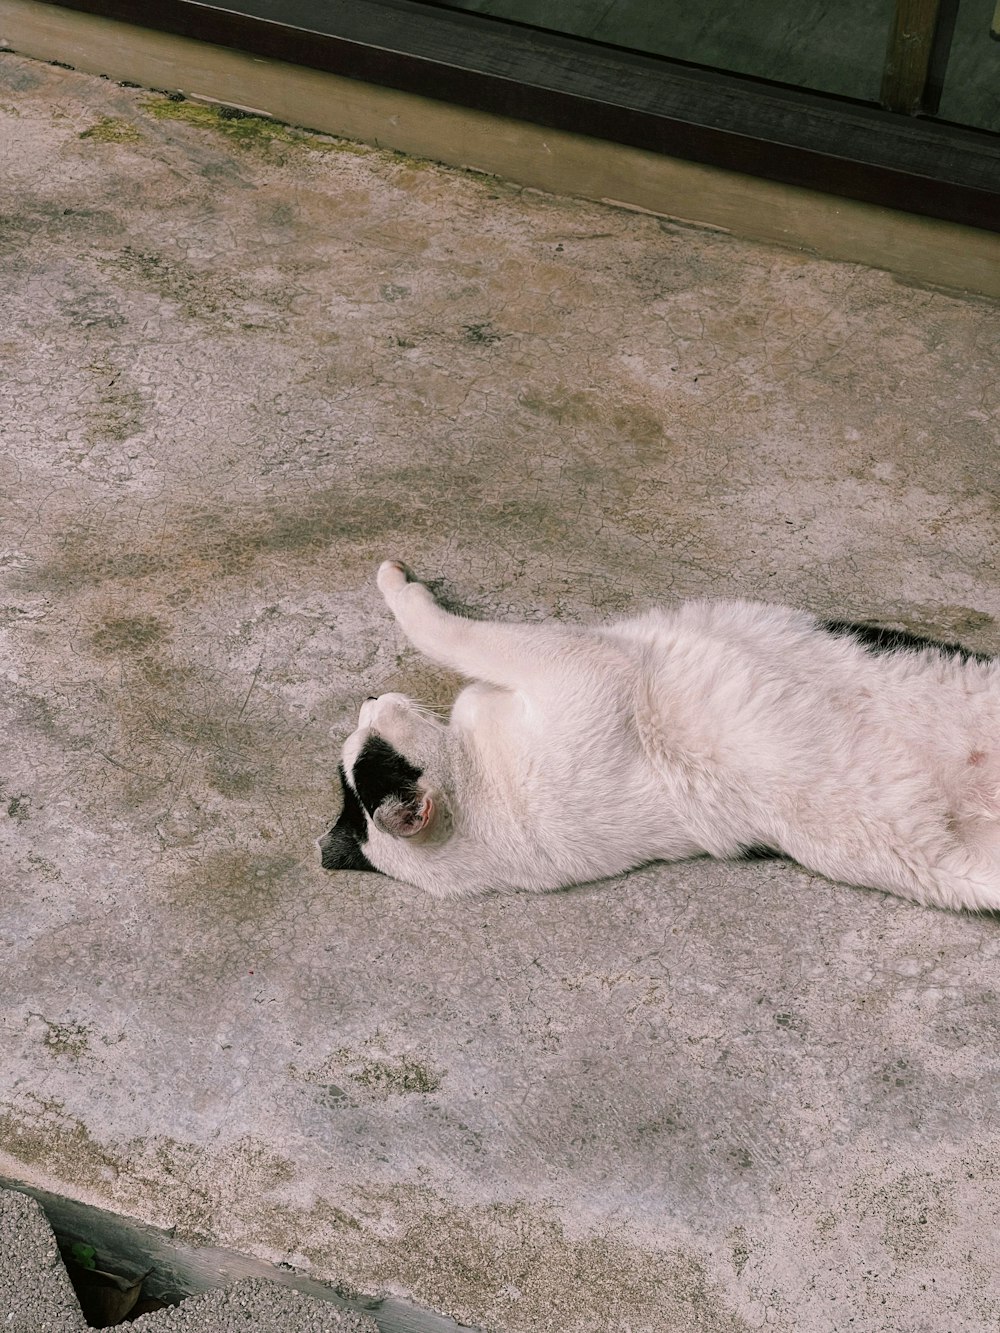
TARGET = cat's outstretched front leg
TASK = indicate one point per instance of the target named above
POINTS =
(512, 656)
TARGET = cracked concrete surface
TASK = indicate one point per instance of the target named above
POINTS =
(241, 364)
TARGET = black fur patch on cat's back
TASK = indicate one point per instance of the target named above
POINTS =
(343, 846)
(757, 852)
(381, 771)
(879, 639)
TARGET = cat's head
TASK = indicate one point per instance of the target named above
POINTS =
(390, 771)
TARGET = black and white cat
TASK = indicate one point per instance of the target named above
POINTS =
(727, 728)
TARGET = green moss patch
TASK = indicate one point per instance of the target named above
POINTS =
(110, 130)
(246, 129)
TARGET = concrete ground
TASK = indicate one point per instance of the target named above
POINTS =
(242, 364)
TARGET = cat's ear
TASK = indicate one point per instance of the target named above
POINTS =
(404, 818)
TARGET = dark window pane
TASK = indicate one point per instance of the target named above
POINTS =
(833, 46)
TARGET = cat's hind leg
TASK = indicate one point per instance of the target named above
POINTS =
(968, 877)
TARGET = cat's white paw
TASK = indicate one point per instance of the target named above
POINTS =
(392, 578)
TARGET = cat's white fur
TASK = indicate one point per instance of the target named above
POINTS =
(709, 728)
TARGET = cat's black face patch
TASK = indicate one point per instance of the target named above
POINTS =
(878, 639)
(381, 771)
(343, 846)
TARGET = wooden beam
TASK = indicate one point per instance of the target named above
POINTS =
(907, 61)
